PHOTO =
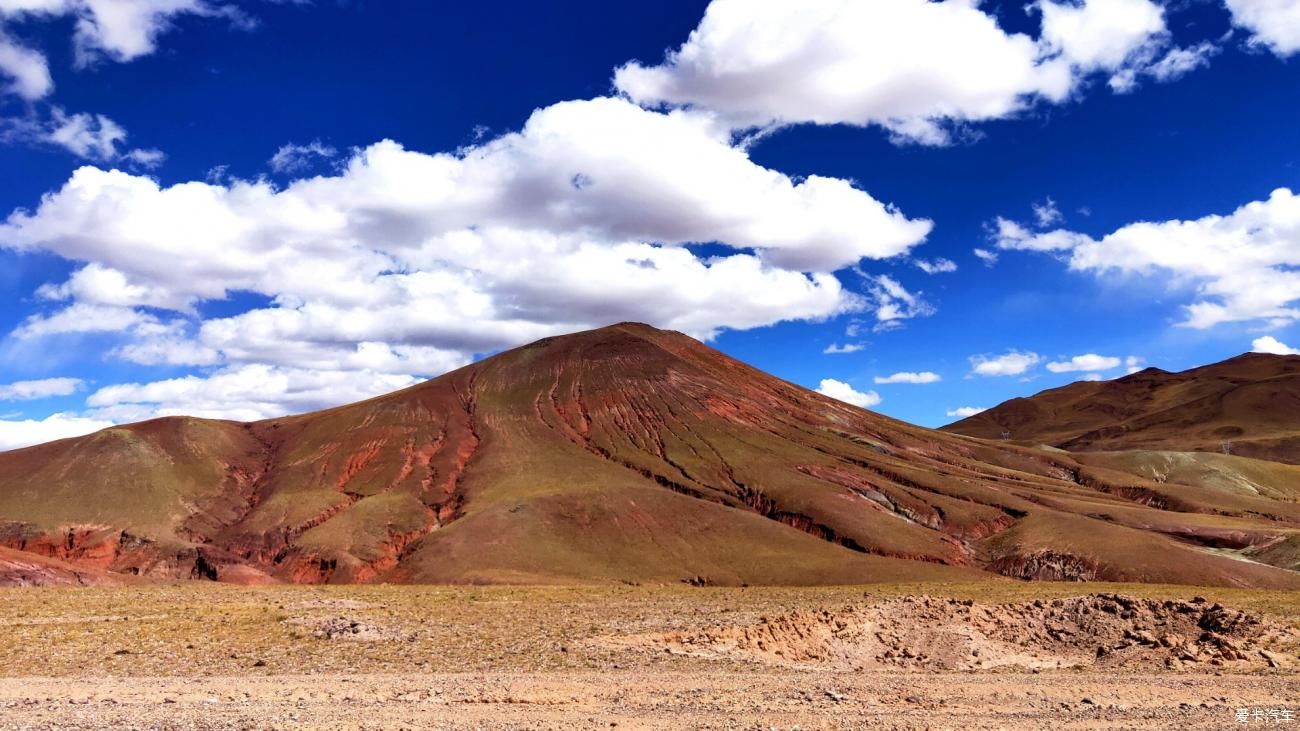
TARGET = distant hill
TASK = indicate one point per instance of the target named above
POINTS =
(1249, 405)
(624, 454)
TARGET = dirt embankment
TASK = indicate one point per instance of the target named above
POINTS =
(925, 633)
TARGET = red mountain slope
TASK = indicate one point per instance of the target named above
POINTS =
(620, 454)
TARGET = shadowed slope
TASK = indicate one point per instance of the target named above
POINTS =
(620, 454)
(1251, 402)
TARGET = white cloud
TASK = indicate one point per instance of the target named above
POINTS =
(1274, 24)
(117, 30)
(1011, 235)
(966, 411)
(936, 266)
(844, 392)
(1115, 36)
(893, 303)
(1012, 363)
(914, 67)
(1133, 364)
(1085, 362)
(148, 159)
(293, 158)
(91, 136)
(1046, 213)
(988, 257)
(1181, 61)
(406, 263)
(27, 70)
(1270, 344)
(906, 377)
(246, 393)
(43, 388)
(1243, 266)
(26, 432)
(82, 317)
(837, 349)
(1093, 377)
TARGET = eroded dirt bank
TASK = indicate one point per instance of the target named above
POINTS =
(1099, 631)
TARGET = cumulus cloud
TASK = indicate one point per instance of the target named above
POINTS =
(1012, 363)
(410, 263)
(83, 317)
(27, 71)
(846, 393)
(103, 30)
(1270, 344)
(907, 377)
(1273, 24)
(1242, 266)
(293, 158)
(837, 349)
(247, 392)
(919, 69)
(966, 411)
(39, 389)
(91, 136)
(26, 432)
(1085, 362)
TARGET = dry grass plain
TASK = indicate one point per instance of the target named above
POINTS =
(205, 656)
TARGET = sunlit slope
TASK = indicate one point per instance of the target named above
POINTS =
(620, 454)
(1248, 405)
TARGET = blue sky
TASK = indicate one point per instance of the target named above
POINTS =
(243, 209)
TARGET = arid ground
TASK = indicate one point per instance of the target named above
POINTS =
(997, 654)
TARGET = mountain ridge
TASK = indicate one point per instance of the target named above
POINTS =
(626, 454)
(1245, 404)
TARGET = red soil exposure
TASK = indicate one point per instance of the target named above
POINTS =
(620, 454)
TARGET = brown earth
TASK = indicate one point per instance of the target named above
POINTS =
(209, 656)
(1249, 403)
(625, 454)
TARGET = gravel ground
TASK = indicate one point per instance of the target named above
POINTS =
(202, 656)
(636, 699)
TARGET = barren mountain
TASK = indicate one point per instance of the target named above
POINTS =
(1248, 405)
(621, 454)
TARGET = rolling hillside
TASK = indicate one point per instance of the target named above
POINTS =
(625, 454)
(1250, 403)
